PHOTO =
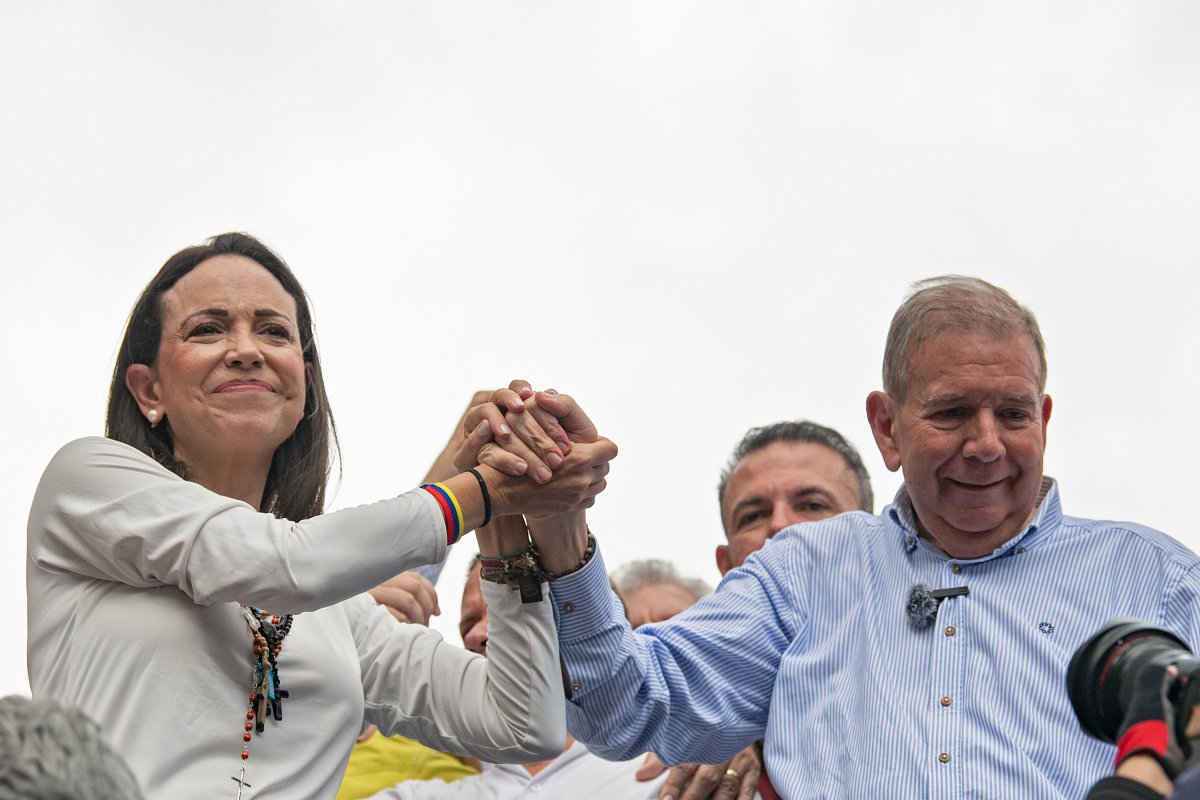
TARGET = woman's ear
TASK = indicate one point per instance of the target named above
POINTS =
(142, 383)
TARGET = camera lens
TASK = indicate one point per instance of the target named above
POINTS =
(1100, 677)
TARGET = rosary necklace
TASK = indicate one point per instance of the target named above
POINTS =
(269, 631)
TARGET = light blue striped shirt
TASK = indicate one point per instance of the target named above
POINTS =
(808, 646)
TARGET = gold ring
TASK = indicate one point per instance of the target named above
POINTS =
(732, 772)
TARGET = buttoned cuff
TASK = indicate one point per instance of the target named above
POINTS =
(584, 603)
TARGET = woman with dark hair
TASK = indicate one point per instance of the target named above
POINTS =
(166, 560)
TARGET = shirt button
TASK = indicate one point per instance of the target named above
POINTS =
(537, 787)
(955, 568)
(946, 701)
(568, 607)
(944, 758)
(910, 541)
(575, 687)
(1020, 549)
(950, 630)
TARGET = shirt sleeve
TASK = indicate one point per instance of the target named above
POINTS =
(505, 708)
(106, 511)
(696, 688)
(1180, 601)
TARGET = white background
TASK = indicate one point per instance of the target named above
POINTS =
(693, 216)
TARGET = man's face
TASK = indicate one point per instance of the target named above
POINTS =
(780, 485)
(969, 435)
(473, 622)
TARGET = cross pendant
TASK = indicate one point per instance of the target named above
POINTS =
(241, 782)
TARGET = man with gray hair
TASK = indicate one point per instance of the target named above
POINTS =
(814, 645)
(653, 590)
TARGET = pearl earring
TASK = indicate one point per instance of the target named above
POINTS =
(152, 415)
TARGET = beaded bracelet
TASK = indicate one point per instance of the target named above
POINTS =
(521, 571)
(524, 571)
(588, 552)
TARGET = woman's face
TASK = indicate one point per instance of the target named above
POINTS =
(229, 377)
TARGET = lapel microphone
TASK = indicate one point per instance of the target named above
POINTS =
(922, 605)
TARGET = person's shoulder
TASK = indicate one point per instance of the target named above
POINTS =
(849, 521)
(1107, 541)
(92, 448)
(832, 532)
(1131, 536)
(75, 459)
(94, 466)
(853, 537)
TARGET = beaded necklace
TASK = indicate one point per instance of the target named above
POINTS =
(269, 631)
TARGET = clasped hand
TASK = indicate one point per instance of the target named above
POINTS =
(551, 459)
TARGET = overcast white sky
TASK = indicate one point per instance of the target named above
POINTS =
(693, 216)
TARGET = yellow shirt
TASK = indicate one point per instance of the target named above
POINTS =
(381, 762)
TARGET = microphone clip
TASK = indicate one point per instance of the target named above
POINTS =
(922, 605)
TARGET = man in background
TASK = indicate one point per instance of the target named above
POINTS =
(653, 590)
(779, 475)
(784, 474)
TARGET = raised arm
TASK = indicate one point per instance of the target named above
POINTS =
(106, 511)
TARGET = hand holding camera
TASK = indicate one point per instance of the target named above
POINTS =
(1136, 686)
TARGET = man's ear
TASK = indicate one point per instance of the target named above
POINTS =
(724, 562)
(1047, 405)
(881, 414)
(142, 383)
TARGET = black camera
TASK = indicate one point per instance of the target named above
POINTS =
(1101, 677)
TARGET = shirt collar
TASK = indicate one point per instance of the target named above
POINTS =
(1047, 513)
